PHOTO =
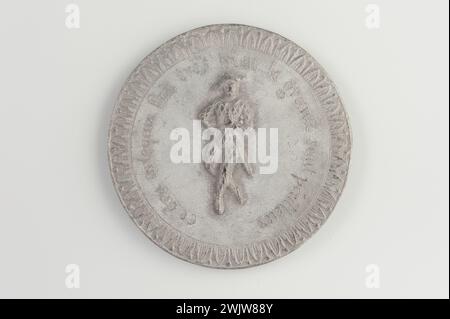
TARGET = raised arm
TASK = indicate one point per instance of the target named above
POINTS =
(207, 115)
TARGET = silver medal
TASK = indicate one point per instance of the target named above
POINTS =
(171, 124)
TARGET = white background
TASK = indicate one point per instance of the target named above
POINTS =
(58, 205)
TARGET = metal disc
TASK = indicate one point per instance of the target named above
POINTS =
(230, 215)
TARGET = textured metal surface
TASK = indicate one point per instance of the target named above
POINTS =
(180, 207)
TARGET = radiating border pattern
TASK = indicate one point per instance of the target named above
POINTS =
(144, 77)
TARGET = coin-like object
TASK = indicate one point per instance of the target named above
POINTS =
(182, 105)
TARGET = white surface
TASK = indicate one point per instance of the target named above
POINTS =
(58, 205)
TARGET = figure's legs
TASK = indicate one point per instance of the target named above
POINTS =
(231, 184)
(219, 204)
(225, 181)
(242, 198)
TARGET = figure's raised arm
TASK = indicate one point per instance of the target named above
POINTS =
(207, 115)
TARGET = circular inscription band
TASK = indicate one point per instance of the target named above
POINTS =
(229, 214)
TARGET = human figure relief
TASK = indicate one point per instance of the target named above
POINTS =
(229, 110)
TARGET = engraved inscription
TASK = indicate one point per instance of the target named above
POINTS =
(243, 63)
(171, 205)
(274, 72)
(146, 148)
(288, 207)
(310, 157)
(289, 88)
(263, 45)
(162, 97)
(305, 113)
(199, 67)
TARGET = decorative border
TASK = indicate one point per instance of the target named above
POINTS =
(144, 77)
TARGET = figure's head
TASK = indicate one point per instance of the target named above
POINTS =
(230, 88)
